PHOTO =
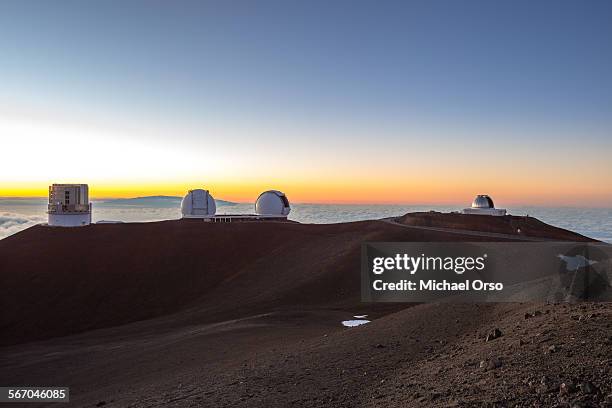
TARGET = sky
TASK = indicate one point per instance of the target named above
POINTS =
(331, 102)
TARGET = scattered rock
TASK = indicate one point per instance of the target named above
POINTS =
(434, 395)
(534, 314)
(567, 388)
(491, 364)
(587, 387)
(379, 346)
(546, 386)
(552, 348)
(588, 316)
(493, 334)
(494, 363)
(101, 404)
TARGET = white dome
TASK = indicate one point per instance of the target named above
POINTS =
(483, 201)
(272, 202)
(198, 203)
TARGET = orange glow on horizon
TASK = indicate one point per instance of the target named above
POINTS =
(427, 166)
(341, 191)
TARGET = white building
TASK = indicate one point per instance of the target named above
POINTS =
(272, 203)
(69, 205)
(483, 205)
(198, 203)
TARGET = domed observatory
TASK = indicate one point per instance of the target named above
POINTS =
(69, 205)
(483, 205)
(272, 204)
(198, 204)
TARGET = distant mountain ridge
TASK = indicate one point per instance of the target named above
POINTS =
(155, 201)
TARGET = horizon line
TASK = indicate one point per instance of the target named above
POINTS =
(330, 203)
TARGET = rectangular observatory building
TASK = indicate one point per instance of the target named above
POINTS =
(69, 205)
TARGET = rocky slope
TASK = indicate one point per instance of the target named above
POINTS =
(179, 314)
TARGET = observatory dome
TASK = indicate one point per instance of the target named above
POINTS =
(482, 201)
(272, 202)
(198, 203)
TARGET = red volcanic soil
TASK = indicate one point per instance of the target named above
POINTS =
(186, 313)
(59, 281)
(509, 224)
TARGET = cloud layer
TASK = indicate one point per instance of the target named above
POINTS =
(11, 223)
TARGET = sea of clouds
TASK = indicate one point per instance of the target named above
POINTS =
(11, 223)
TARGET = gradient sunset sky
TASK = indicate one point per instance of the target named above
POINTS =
(329, 101)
